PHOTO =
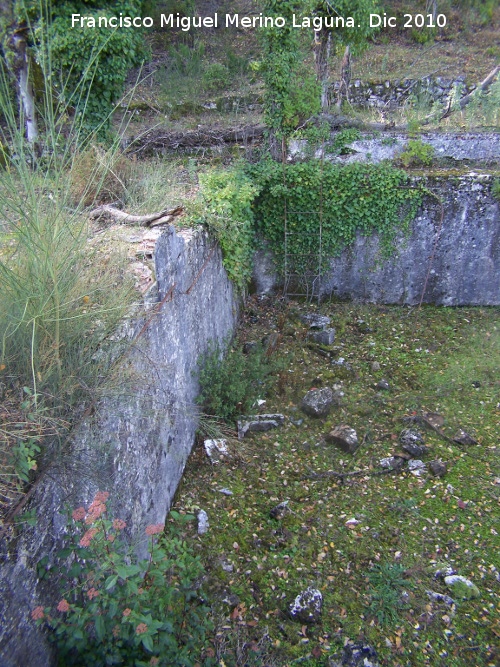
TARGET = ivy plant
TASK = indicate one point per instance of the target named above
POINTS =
(355, 198)
(226, 208)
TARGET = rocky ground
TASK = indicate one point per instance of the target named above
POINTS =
(362, 527)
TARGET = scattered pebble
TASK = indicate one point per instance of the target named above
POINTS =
(203, 523)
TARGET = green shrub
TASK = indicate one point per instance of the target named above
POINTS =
(495, 188)
(342, 140)
(416, 154)
(226, 203)
(235, 63)
(118, 610)
(186, 60)
(216, 76)
(230, 384)
(89, 66)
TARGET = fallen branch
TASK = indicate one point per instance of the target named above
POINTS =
(343, 475)
(151, 220)
(464, 101)
(160, 139)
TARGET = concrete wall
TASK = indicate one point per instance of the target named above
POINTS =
(459, 258)
(136, 444)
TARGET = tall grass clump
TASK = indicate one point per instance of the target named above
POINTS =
(59, 301)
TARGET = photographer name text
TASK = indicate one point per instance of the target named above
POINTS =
(186, 23)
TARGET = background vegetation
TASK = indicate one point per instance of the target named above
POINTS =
(65, 287)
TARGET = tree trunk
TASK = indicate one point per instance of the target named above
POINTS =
(345, 77)
(321, 50)
(26, 95)
(431, 7)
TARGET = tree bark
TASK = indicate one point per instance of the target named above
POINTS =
(321, 49)
(345, 77)
(21, 70)
(150, 220)
(431, 7)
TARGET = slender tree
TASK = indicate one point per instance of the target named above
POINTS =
(14, 36)
(329, 37)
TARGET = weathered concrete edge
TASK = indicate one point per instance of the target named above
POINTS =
(137, 443)
(455, 263)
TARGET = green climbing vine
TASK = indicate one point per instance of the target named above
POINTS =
(225, 207)
(290, 92)
(360, 198)
(247, 202)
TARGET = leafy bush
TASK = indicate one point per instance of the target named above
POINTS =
(230, 385)
(215, 76)
(186, 60)
(235, 63)
(495, 188)
(416, 154)
(226, 200)
(117, 610)
(343, 139)
(89, 66)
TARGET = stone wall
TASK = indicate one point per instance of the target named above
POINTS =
(136, 444)
(453, 262)
(391, 94)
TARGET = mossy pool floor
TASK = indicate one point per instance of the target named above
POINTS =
(374, 573)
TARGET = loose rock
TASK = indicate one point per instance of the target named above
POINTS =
(216, 450)
(256, 423)
(383, 385)
(203, 523)
(391, 463)
(355, 655)
(326, 337)
(375, 366)
(462, 587)
(412, 442)
(417, 467)
(307, 606)
(226, 565)
(464, 438)
(438, 468)
(315, 321)
(439, 597)
(318, 402)
(280, 510)
(345, 437)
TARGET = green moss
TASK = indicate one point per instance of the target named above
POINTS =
(430, 357)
